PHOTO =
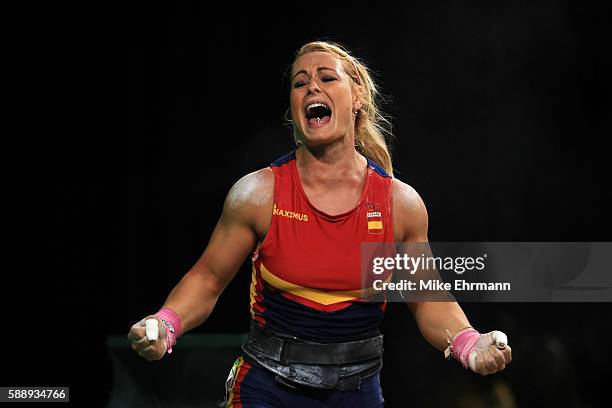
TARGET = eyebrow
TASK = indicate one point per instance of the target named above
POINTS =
(303, 71)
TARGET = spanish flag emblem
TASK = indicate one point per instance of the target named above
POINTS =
(375, 225)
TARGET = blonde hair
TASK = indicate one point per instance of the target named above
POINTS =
(371, 126)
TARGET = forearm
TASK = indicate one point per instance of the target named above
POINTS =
(194, 298)
(435, 318)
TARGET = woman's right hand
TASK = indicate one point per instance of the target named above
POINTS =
(149, 350)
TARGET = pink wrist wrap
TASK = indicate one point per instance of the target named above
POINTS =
(462, 345)
(173, 325)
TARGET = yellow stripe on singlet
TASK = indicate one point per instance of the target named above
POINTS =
(316, 295)
(253, 290)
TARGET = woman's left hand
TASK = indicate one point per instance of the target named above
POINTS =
(490, 354)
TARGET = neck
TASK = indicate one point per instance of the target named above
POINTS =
(330, 164)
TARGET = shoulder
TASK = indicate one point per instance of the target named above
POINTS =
(252, 191)
(410, 217)
(249, 202)
(405, 197)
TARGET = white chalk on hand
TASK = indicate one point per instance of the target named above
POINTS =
(152, 329)
(496, 338)
(500, 339)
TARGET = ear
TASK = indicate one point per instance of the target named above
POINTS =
(357, 98)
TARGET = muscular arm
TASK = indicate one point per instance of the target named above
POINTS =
(244, 221)
(410, 222)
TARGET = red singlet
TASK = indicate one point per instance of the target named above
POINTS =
(306, 277)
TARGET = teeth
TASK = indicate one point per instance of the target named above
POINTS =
(315, 105)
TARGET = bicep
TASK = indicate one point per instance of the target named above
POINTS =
(229, 246)
(411, 222)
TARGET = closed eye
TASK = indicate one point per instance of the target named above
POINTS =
(300, 84)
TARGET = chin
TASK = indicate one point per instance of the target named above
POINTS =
(319, 139)
(320, 135)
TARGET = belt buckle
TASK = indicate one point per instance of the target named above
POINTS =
(284, 346)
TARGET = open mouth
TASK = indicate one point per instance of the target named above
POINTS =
(318, 114)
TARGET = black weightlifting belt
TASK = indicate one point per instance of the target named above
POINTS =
(298, 362)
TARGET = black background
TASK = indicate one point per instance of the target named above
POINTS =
(500, 111)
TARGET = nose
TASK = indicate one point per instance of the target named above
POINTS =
(313, 86)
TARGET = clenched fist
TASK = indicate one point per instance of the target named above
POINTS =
(484, 354)
(490, 355)
(146, 348)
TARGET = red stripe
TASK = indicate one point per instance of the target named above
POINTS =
(244, 370)
(259, 299)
